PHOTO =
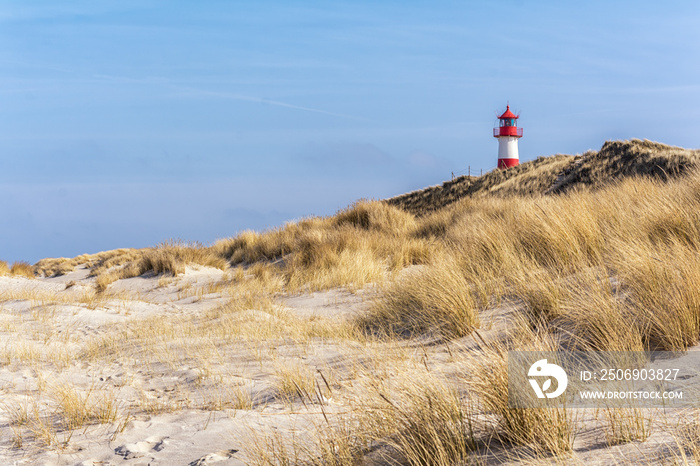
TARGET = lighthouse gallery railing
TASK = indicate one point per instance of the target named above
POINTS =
(507, 131)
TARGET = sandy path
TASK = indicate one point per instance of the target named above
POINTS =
(48, 331)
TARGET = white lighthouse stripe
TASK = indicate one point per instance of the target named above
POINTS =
(507, 147)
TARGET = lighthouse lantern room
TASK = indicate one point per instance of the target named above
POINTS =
(508, 134)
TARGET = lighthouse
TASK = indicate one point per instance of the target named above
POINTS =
(508, 134)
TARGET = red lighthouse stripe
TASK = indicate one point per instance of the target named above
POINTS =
(513, 131)
(507, 163)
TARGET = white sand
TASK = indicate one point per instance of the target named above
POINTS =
(42, 317)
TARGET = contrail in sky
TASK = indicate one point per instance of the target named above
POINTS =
(231, 96)
(245, 98)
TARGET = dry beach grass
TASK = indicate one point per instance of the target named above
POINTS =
(375, 336)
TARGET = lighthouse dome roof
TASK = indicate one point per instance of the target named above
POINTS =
(508, 114)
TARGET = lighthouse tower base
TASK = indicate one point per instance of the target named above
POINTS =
(508, 152)
(508, 163)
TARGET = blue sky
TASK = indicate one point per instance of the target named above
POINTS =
(125, 123)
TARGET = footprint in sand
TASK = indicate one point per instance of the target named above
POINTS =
(215, 457)
(137, 450)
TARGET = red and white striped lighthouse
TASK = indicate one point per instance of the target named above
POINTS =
(508, 134)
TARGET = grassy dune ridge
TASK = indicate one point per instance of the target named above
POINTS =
(615, 160)
(608, 261)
